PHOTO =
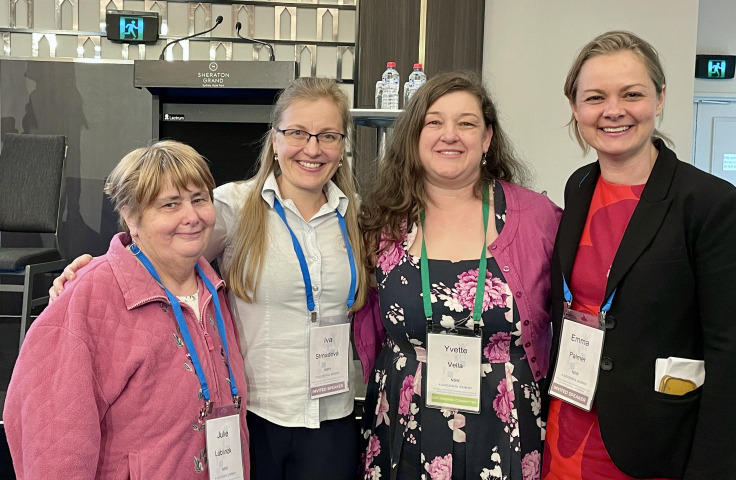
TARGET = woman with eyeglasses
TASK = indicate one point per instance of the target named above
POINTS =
(288, 246)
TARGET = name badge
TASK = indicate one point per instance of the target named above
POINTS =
(224, 449)
(578, 360)
(329, 354)
(453, 371)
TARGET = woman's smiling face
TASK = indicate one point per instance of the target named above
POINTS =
(311, 166)
(453, 140)
(616, 106)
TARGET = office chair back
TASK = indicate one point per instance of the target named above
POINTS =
(31, 169)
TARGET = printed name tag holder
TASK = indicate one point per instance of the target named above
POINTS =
(222, 423)
(577, 366)
(329, 337)
(453, 378)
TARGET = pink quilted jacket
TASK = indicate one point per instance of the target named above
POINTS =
(103, 387)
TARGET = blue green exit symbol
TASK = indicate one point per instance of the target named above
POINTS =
(131, 28)
(716, 68)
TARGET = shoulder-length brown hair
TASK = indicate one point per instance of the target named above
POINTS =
(399, 194)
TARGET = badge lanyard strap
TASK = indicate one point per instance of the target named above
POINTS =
(183, 326)
(604, 309)
(303, 261)
(482, 268)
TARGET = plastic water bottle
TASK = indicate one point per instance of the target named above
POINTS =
(417, 78)
(390, 86)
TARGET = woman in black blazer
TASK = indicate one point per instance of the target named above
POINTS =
(657, 237)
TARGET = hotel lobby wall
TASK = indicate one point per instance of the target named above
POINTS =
(103, 118)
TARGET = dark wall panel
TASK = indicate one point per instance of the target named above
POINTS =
(388, 30)
(103, 117)
(454, 35)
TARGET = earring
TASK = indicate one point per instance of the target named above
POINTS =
(483, 160)
(339, 165)
(275, 157)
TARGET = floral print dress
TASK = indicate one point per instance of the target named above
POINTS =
(406, 439)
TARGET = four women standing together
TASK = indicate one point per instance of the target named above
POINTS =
(464, 265)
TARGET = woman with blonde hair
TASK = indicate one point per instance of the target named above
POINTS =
(135, 370)
(288, 245)
(448, 193)
(643, 272)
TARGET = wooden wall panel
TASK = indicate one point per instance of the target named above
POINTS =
(454, 36)
(388, 30)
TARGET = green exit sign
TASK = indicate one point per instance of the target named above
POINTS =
(715, 66)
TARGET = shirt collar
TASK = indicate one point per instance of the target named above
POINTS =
(336, 199)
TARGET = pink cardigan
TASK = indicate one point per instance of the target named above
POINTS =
(523, 250)
(103, 387)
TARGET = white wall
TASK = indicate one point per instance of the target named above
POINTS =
(529, 46)
(716, 36)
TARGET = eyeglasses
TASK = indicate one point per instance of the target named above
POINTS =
(299, 138)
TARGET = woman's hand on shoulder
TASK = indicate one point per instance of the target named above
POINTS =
(68, 274)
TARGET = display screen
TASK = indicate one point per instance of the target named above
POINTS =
(715, 66)
(132, 27)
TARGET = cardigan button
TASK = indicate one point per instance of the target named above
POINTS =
(493, 247)
(519, 294)
(526, 322)
(538, 373)
(610, 322)
(506, 269)
(528, 344)
(606, 364)
(534, 359)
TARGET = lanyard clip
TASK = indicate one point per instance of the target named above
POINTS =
(476, 329)
(237, 401)
(313, 316)
(430, 323)
(602, 319)
(206, 409)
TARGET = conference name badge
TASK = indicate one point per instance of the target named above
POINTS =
(224, 447)
(453, 371)
(329, 354)
(578, 359)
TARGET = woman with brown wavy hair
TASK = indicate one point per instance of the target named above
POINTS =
(426, 223)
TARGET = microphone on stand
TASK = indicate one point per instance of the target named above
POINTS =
(239, 25)
(217, 22)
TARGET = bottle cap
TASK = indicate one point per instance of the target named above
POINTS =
(417, 65)
(391, 64)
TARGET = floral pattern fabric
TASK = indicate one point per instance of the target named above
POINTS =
(405, 439)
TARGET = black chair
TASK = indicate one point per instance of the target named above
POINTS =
(31, 187)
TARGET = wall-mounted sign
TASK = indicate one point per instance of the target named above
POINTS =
(132, 27)
(715, 66)
(729, 162)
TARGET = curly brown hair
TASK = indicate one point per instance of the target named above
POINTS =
(399, 193)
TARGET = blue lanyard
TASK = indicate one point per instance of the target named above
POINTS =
(303, 261)
(183, 326)
(568, 296)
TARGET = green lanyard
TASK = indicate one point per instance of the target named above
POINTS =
(482, 268)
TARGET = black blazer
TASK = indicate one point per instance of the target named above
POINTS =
(675, 280)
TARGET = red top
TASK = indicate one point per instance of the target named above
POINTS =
(574, 449)
(391, 64)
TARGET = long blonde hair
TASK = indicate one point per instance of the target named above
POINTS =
(250, 244)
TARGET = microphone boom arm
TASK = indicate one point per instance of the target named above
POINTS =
(272, 57)
(163, 52)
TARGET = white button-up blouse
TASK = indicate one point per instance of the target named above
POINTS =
(274, 331)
